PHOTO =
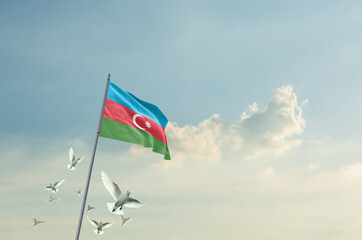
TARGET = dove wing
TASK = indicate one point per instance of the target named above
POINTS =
(57, 184)
(93, 222)
(71, 155)
(133, 203)
(111, 187)
(107, 225)
(81, 159)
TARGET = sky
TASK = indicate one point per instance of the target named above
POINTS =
(262, 99)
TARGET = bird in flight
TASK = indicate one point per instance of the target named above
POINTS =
(124, 220)
(73, 160)
(79, 192)
(52, 199)
(36, 222)
(53, 187)
(121, 199)
(99, 226)
(89, 208)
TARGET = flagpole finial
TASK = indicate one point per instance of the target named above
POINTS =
(109, 77)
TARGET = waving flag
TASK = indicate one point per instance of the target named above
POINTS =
(128, 118)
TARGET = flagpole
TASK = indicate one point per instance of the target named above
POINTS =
(92, 161)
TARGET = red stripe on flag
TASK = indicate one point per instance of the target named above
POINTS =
(122, 114)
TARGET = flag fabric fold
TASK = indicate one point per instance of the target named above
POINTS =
(130, 119)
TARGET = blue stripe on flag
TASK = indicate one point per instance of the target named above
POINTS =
(130, 101)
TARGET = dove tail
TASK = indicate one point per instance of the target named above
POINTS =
(110, 206)
(98, 232)
(117, 212)
(70, 167)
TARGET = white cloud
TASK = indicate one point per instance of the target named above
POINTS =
(201, 141)
(273, 129)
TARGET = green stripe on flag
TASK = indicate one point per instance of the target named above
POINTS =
(119, 131)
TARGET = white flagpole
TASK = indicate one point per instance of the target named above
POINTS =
(92, 161)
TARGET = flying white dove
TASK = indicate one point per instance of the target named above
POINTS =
(121, 199)
(73, 160)
(124, 220)
(99, 226)
(79, 192)
(52, 199)
(53, 187)
(89, 208)
(36, 222)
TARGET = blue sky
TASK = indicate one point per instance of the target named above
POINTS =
(263, 100)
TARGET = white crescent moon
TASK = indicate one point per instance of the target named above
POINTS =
(134, 121)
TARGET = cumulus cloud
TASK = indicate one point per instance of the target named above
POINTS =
(273, 129)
